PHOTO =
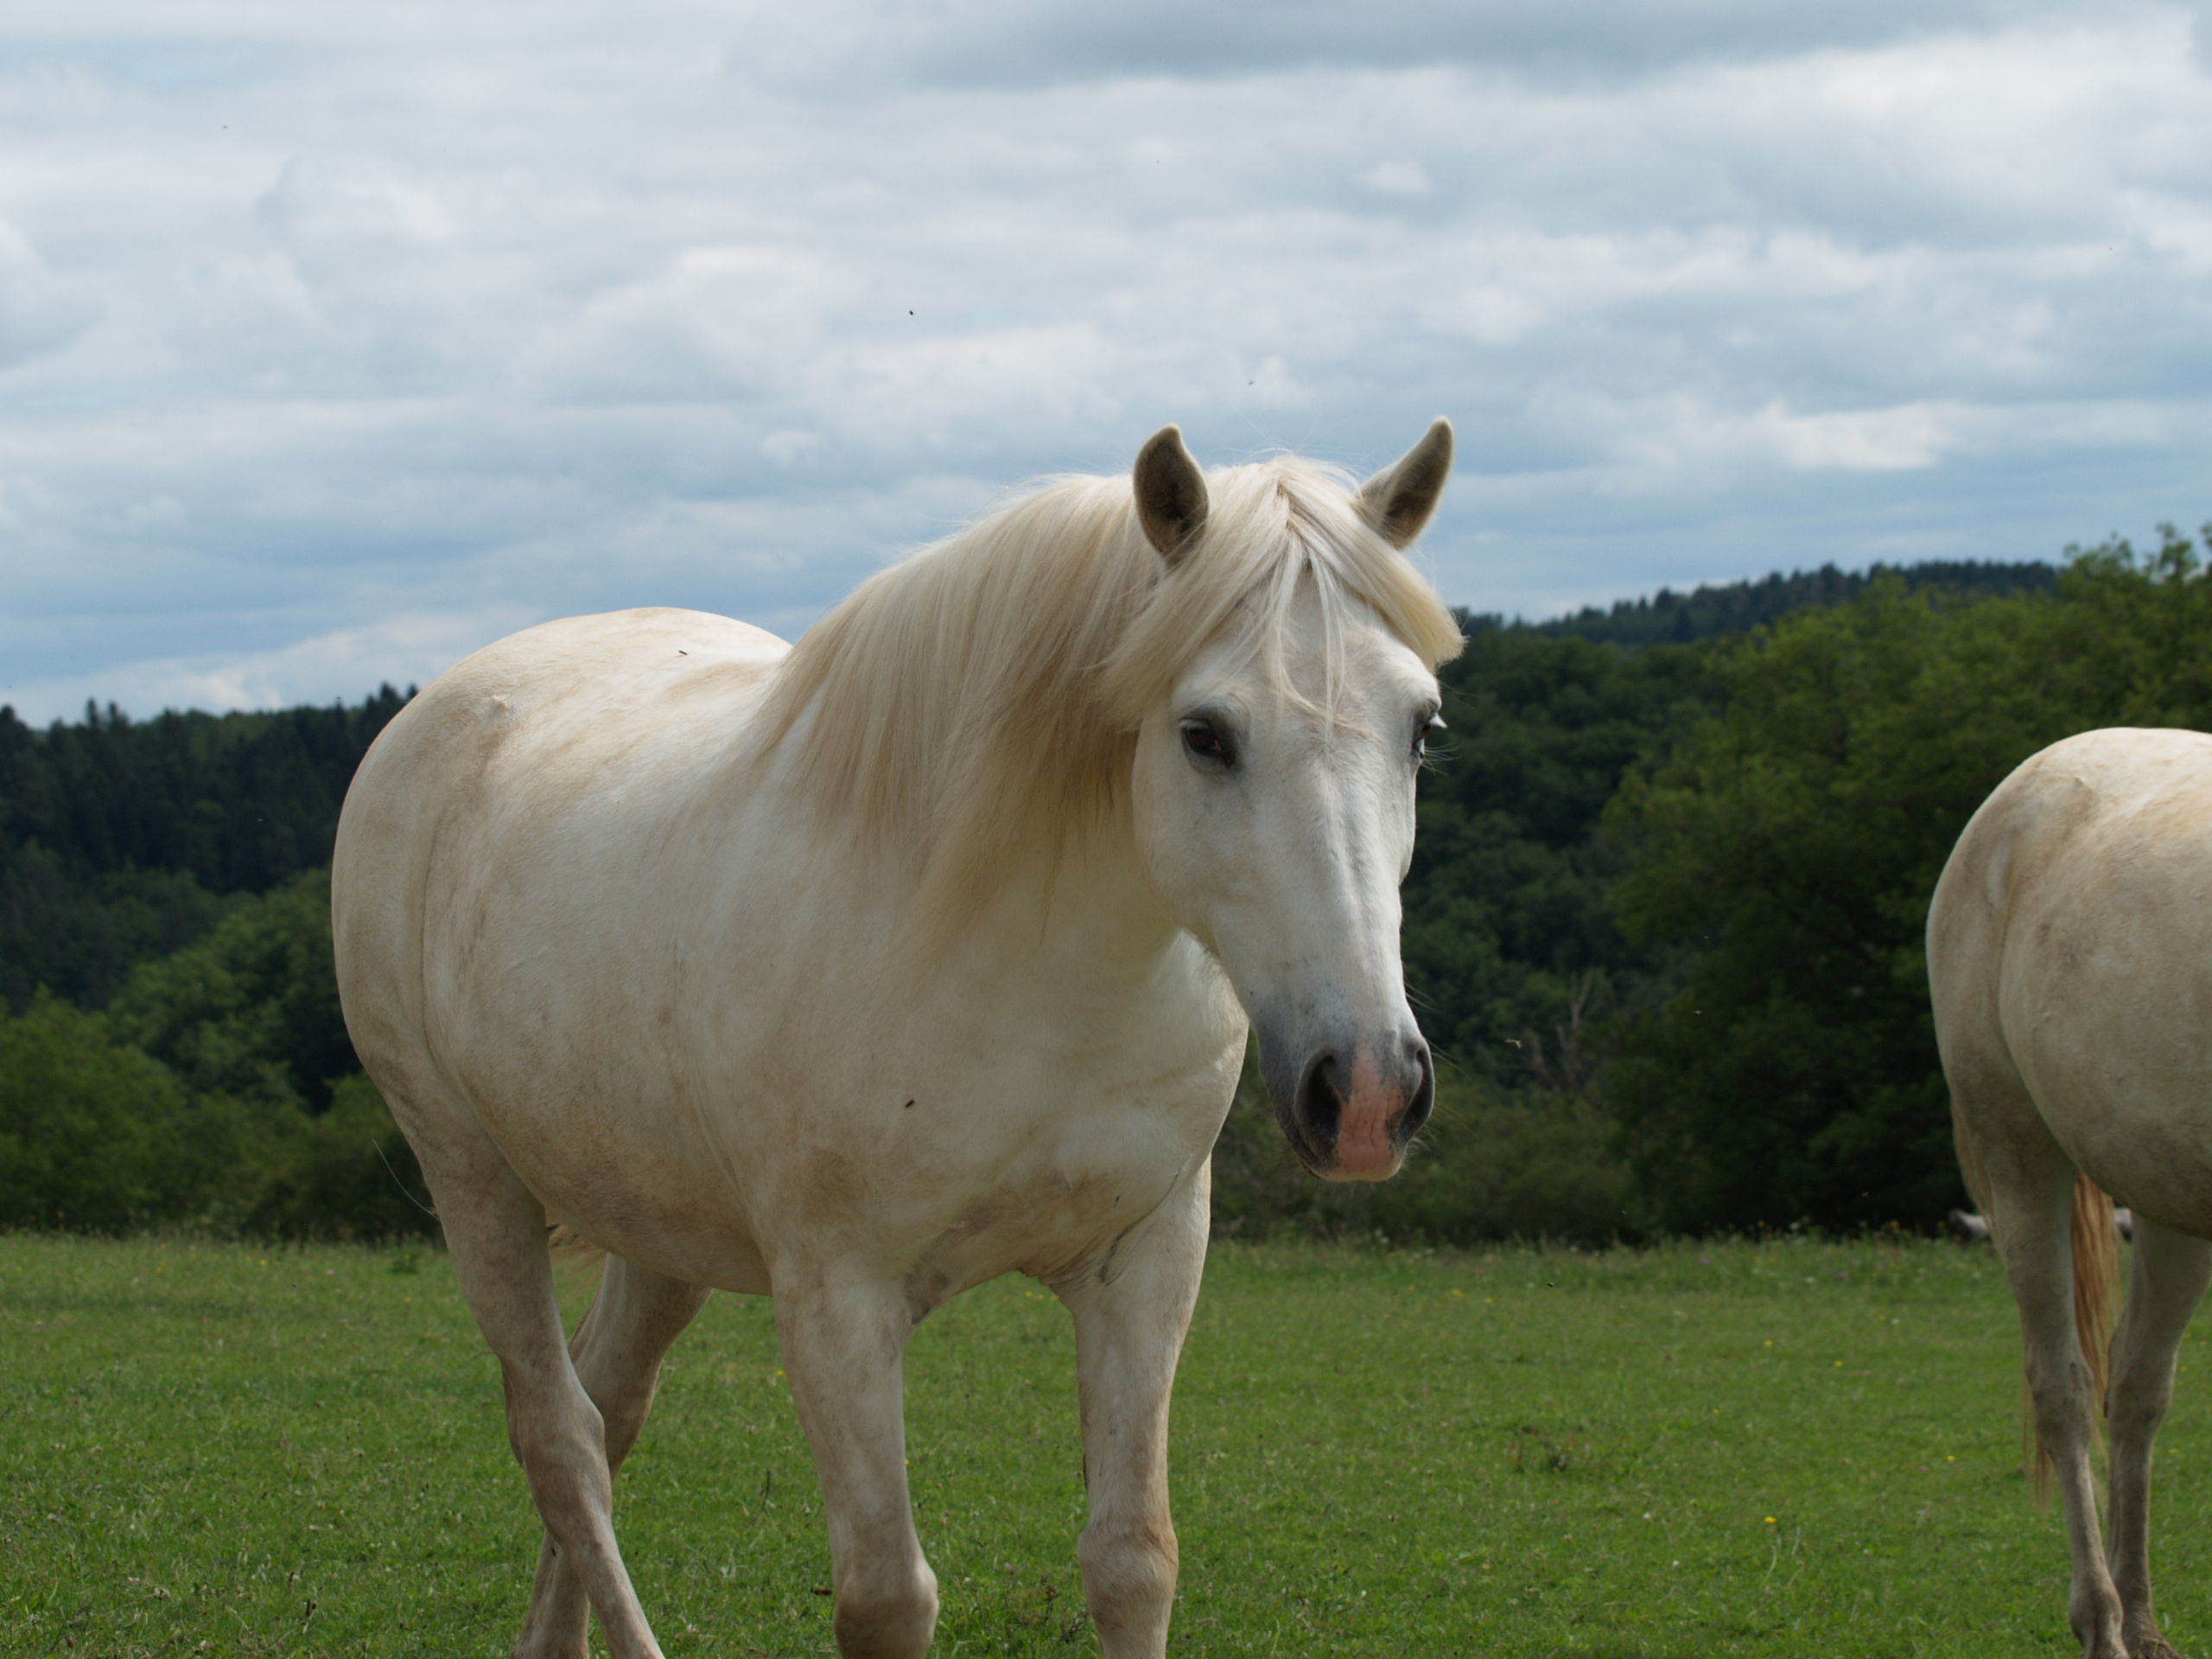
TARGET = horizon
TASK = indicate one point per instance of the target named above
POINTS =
(106, 706)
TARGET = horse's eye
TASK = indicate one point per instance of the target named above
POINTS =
(1422, 733)
(1207, 748)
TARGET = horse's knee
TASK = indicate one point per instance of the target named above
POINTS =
(2135, 1416)
(2141, 1391)
(1128, 1583)
(2061, 1388)
(560, 1438)
(622, 1420)
(887, 1615)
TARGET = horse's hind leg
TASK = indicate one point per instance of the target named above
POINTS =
(2031, 1200)
(2164, 1287)
(617, 1352)
(495, 1229)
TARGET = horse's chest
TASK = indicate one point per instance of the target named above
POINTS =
(1047, 1191)
(1054, 1224)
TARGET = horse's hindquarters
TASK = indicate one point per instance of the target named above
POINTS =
(486, 891)
(2095, 874)
(2070, 987)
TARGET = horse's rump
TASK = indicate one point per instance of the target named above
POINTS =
(2062, 954)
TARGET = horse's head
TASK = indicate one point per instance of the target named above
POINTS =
(1274, 795)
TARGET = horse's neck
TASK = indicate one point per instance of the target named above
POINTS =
(1079, 917)
(1086, 922)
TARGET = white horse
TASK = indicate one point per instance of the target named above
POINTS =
(861, 971)
(2070, 951)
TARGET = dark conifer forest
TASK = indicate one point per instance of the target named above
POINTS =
(1663, 924)
(121, 841)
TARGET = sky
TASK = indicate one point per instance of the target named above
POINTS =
(338, 340)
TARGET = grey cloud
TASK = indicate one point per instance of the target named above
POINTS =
(1004, 43)
(38, 312)
(350, 332)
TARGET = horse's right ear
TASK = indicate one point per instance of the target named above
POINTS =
(1171, 494)
(1398, 499)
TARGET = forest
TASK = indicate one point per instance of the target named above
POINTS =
(1662, 925)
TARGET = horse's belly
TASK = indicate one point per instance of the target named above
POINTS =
(629, 1169)
(770, 1121)
(650, 1210)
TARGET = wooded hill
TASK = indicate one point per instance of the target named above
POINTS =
(121, 841)
(1663, 924)
(1668, 618)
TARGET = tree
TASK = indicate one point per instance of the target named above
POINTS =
(121, 841)
(1789, 846)
(1506, 920)
(251, 1010)
(96, 1136)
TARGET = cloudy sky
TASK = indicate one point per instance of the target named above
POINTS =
(336, 341)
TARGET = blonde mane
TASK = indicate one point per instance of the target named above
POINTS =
(982, 698)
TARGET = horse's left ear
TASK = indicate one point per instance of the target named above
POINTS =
(1398, 499)
(1171, 494)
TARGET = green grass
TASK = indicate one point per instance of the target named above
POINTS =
(1784, 1449)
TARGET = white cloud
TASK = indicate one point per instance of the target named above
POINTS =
(400, 650)
(1398, 179)
(316, 320)
(38, 313)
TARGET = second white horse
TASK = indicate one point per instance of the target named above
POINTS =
(2066, 955)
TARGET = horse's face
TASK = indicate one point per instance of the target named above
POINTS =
(1277, 831)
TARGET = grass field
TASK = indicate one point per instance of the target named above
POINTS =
(1786, 1448)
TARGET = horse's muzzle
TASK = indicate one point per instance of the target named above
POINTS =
(1349, 1121)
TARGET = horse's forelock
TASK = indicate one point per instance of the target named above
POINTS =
(1275, 531)
(983, 696)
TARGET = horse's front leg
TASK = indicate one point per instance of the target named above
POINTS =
(1132, 1310)
(2171, 1271)
(842, 1346)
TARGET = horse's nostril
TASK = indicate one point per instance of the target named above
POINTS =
(1424, 1095)
(1321, 1101)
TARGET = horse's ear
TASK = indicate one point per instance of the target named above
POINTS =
(1398, 499)
(1171, 494)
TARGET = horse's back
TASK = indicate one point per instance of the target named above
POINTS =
(575, 687)
(2068, 961)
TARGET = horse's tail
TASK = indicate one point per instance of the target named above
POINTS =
(2095, 1235)
(2097, 1294)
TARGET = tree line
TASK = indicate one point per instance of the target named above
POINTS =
(1662, 925)
(121, 841)
(171, 1046)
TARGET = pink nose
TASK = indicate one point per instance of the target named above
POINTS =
(1359, 1126)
